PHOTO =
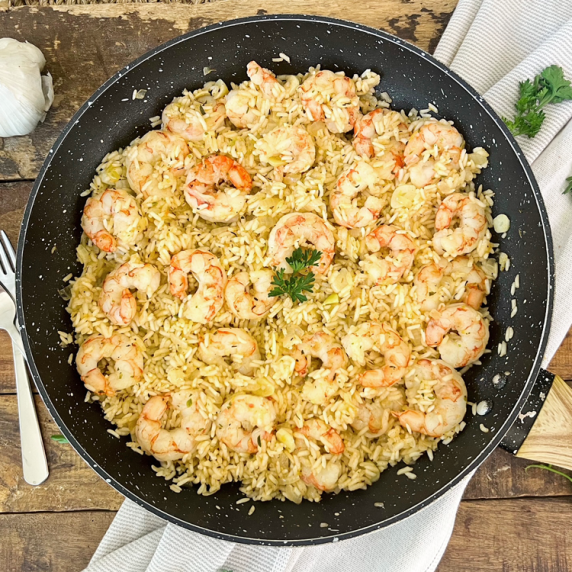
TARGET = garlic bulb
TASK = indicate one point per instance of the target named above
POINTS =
(26, 95)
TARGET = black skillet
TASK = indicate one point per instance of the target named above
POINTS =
(111, 119)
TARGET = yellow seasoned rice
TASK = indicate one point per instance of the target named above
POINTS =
(341, 299)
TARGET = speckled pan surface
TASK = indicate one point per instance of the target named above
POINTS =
(111, 119)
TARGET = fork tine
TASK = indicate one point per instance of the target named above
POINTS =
(6, 266)
(9, 248)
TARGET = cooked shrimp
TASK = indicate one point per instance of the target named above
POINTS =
(206, 268)
(119, 348)
(241, 109)
(331, 98)
(385, 340)
(288, 149)
(375, 123)
(325, 478)
(212, 203)
(244, 420)
(389, 162)
(391, 268)
(292, 228)
(153, 439)
(170, 445)
(468, 334)
(476, 283)
(323, 346)
(471, 228)
(115, 210)
(191, 124)
(193, 421)
(265, 80)
(343, 200)
(241, 302)
(142, 159)
(373, 416)
(434, 133)
(435, 281)
(230, 342)
(117, 301)
(422, 174)
(319, 431)
(449, 406)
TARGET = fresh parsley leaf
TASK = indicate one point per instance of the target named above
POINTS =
(558, 88)
(292, 285)
(59, 439)
(549, 86)
(528, 91)
(549, 468)
(295, 284)
(528, 124)
(302, 259)
(568, 188)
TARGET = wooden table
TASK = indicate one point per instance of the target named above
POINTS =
(509, 520)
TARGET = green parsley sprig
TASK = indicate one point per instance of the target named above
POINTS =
(292, 285)
(295, 284)
(548, 87)
(302, 259)
(549, 468)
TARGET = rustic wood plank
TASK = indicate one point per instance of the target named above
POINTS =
(513, 536)
(504, 476)
(85, 45)
(561, 363)
(50, 542)
(13, 199)
(72, 484)
(518, 535)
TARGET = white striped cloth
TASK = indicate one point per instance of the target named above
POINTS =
(493, 44)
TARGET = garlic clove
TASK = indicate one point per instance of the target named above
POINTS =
(26, 95)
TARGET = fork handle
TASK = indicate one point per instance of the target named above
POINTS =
(34, 462)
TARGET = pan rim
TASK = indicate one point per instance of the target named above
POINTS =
(475, 462)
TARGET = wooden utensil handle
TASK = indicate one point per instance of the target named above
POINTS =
(550, 439)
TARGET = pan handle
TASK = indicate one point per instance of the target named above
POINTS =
(543, 430)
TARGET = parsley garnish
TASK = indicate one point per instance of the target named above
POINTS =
(295, 284)
(59, 439)
(302, 259)
(568, 185)
(548, 87)
(549, 468)
(292, 286)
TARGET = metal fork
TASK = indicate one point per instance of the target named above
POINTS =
(34, 462)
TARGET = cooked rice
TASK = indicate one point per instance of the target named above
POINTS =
(169, 342)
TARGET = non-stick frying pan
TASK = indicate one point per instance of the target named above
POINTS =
(111, 119)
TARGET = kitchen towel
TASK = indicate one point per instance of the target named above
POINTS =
(493, 45)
